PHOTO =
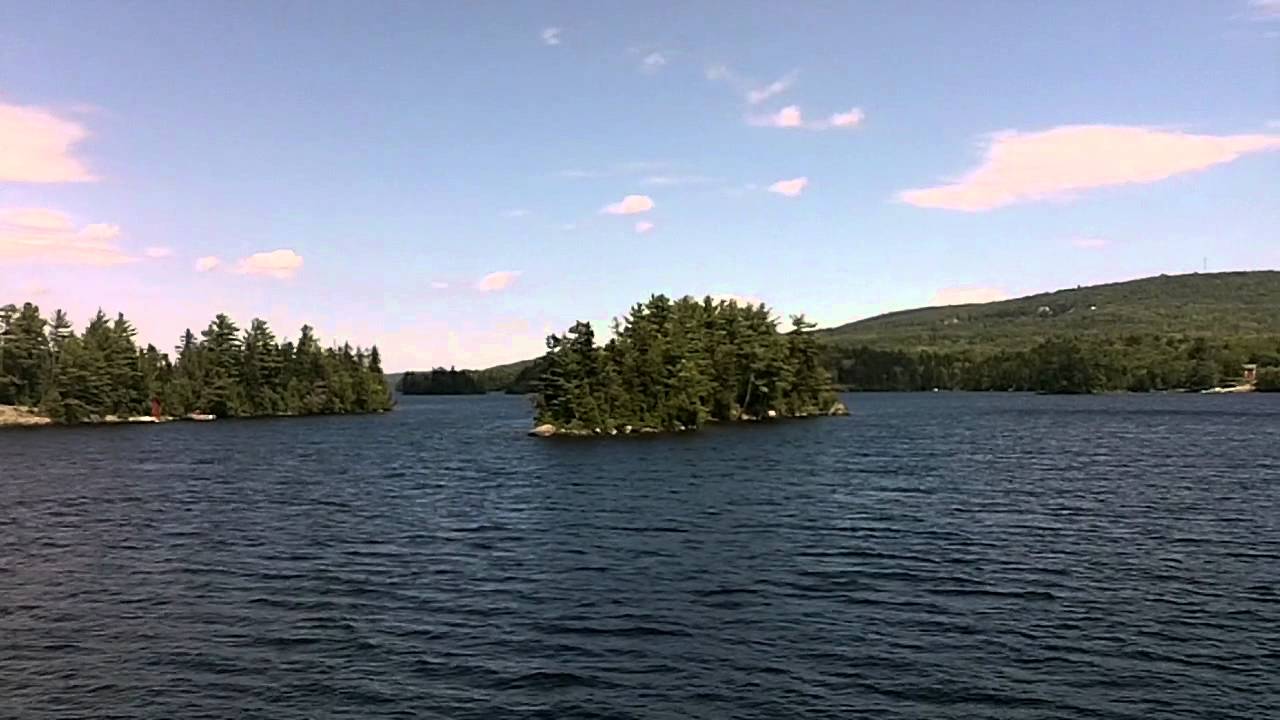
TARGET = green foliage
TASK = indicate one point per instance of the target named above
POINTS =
(1268, 379)
(101, 372)
(1058, 365)
(1236, 304)
(681, 364)
(440, 382)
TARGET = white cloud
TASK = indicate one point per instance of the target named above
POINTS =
(36, 147)
(515, 213)
(278, 264)
(790, 188)
(850, 119)
(1090, 243)
(791, 117)
(968, 295)
(439, 285)
(653, 62)
(1053, 164)
(50, 237)
(207, 263)
(787, 117)
(500, 280)
(629, 205)
(643, 227)
(551, 36)
(157, 253)
(781, 85)
(718, 72)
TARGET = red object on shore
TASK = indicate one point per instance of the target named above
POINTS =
(155, 408)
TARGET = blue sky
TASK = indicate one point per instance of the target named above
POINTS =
(436, 177)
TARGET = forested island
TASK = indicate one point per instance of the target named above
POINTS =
(102, 375)
(677, 365)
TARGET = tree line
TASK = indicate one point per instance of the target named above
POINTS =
(680, 364)
(1135, 363)
(224, 371)
(440, 382)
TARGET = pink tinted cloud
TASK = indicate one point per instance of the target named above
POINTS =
(967, 295)
(790, 188)
(851, 119)
(495, 281)
(788, 117)
(38, 235)
(1024, 167)
(629, 205)
(278, 264)
(36, 147)
(207, 263)
(157, 253)
(643, 227)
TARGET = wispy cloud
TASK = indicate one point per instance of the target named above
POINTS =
(787, 117)
(36, 147)
(629, 205)
(1090, 243)
(439, 285)
(157, 253)
(653, 62)
(278, 264)
(1059, 162)
(677, 180)
(777, 87)
(968, 295)
(550, 36)
(39, 235)
(208, 263)
(500, 280)
(643, 227)
(790, 188)
(850, 119)
(515, 213)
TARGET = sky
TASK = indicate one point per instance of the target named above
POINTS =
(453, 181)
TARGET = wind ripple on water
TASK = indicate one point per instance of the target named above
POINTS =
(931, 557)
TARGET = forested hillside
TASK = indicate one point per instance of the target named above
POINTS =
(1238, 304)
(1190, 332)
(224, 371)
(1161, 333)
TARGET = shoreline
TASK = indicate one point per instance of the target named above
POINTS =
(548, 430)
(13, 416)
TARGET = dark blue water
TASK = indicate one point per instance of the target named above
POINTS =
(933, 556)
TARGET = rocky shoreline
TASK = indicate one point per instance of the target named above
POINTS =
(19, 416)
(547, 430)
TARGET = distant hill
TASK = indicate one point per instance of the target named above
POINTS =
(493, 379)
(1170, 331)
(1215, 304)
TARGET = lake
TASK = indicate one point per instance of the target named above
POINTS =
(933, 556)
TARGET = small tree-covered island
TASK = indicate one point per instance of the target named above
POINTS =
(51, 375)
(677, 365)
